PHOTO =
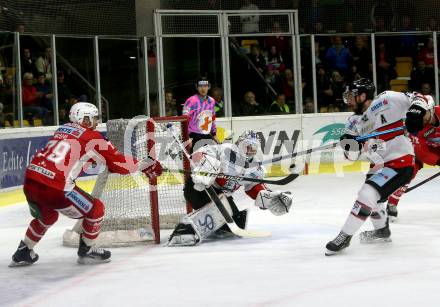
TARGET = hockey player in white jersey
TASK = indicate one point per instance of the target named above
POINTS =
(232, 159)
(391, 156)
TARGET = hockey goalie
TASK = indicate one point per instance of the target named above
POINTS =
(233, 159)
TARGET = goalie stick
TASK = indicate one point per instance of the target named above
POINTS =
(213, 195)
(283, 181)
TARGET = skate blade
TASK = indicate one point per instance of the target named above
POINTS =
(88, 260)
(373, 241)
(14, 264)
(330, 253)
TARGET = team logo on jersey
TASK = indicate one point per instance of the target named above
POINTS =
(379, 105)
(204, 121)
(79, 200)
(70, 131)
(42, 171)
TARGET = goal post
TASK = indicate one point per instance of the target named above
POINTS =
(136, 208)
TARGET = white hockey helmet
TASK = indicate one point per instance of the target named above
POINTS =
(80, 110)
(426, 102)
(248, 143)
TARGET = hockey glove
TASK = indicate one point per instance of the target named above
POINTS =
(414, 119)
(150, 167)
(205, 167)
(278, 203)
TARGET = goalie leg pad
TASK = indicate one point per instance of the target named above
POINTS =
(198, 225)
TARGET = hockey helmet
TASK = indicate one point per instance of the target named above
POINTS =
(81, 110)
(248, 144)
(357, 87)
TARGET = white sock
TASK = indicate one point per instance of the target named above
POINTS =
(29, 243)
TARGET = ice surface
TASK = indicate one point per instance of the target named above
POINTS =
(288, 269)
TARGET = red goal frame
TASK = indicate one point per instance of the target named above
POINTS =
(151, 143)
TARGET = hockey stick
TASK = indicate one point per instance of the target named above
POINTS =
(283, 181)
(214, 197)
(422, 182)
(327, 146)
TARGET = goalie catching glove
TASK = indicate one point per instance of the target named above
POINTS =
(150, 167)
(205, 167)
(278, 203)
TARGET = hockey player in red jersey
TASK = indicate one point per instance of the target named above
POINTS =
(391, 155)
(50, 187)
(423, 124)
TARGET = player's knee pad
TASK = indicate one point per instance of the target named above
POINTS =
(49, 219)
(97, 212)
(368, 196)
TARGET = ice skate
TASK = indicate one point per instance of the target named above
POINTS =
(92, 255)
(377, 235)
(23, 256)
(338, 244)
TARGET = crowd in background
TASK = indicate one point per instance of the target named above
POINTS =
(262, 72)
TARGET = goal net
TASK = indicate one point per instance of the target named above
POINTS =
(136, 208)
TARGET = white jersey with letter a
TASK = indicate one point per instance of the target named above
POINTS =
(385, 112)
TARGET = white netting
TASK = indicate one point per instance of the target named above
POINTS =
(127, 198)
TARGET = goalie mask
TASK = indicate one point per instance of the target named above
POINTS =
(248, 143)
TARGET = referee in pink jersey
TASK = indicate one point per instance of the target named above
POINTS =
(200, 109)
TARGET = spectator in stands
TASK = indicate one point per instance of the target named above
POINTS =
(431, 25)
(249, 106)
(275, 59)
(288, 85)
(2, 116)
(338, 57)
(280, 42)
(385, 71)
(43, 63)
(217, 94)
(273, 78)
(43, 87)
(27, 62)
(425, 89)
(256, 80)
(308, 106)
(249, 23)
(170, 104)
(427, 54)
(361, 57)
(382, 16)
(324, 89)
(421, 75)
(279, 106)
(353, 74)
(32, 99)
(7, 93)
(64, 92)
(408, 43)
(333, 108)
(65, 108)
(257, 59)
(338, 87)
(19, 27)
